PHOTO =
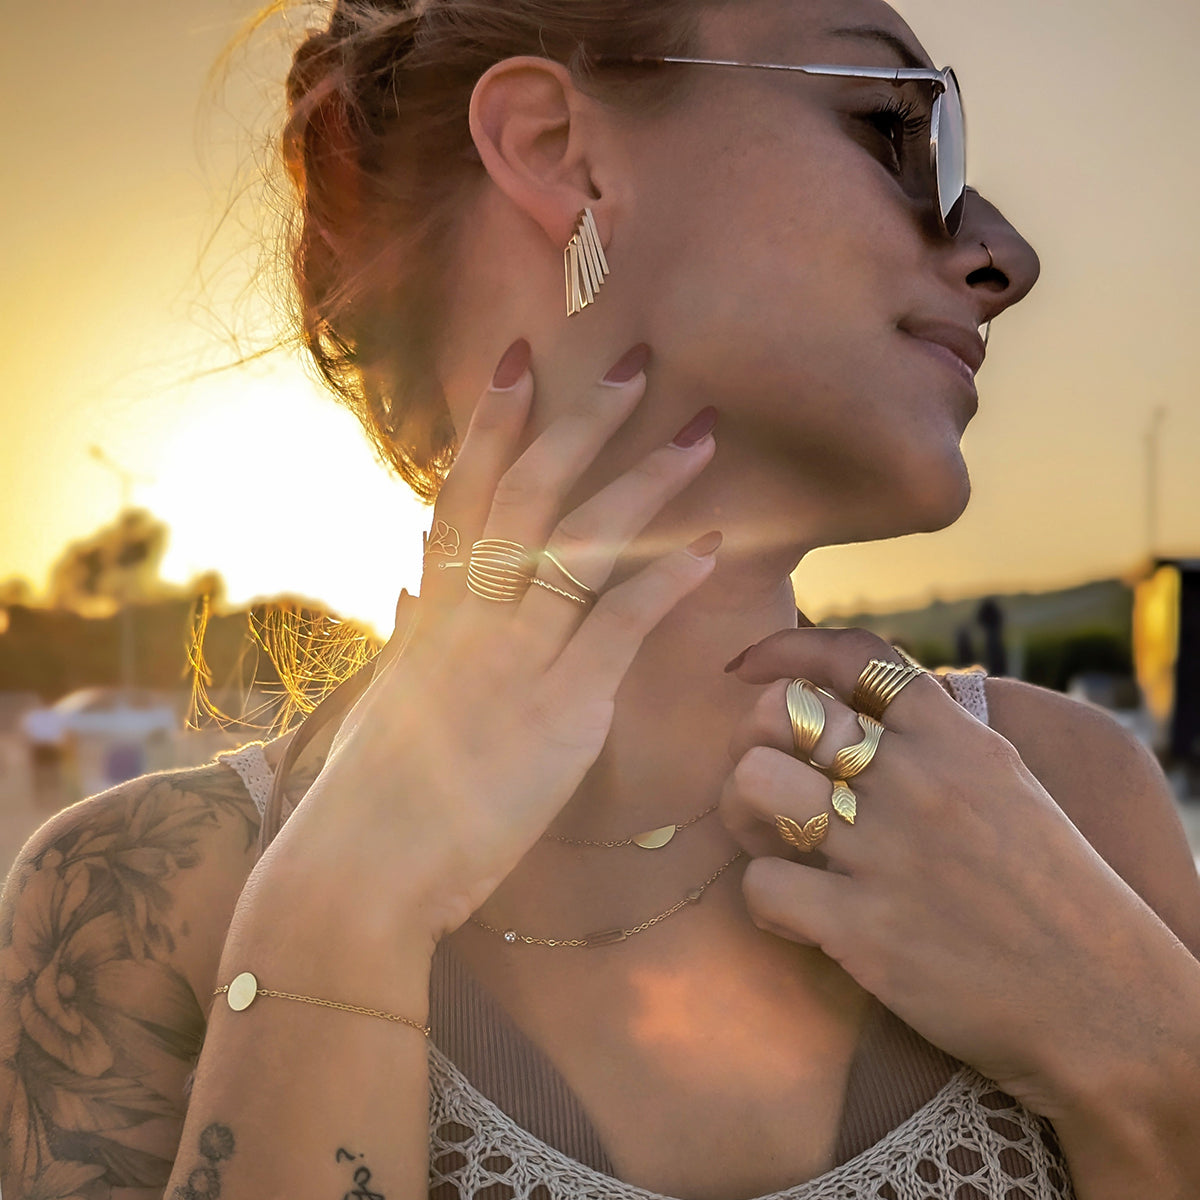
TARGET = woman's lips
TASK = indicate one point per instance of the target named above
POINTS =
(945, 355)
(961, 350)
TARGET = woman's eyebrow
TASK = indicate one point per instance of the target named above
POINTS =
(907, 55)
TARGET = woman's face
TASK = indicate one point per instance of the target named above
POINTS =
(793, 271)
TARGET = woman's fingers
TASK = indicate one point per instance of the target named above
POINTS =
(488, 448)
(588, 541)
(834, 659)
(767, 784)
(591, 666)
(529, 496)
(799, 903)
(768, 724)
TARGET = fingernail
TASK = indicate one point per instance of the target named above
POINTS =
(699, 427)
(709, 544)
(512, 366)
(734, 663)
(631, 365)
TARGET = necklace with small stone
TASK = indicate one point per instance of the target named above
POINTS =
(610, 937)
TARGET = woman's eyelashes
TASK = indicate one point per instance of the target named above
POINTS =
(896, 126)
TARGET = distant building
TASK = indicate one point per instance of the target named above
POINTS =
(1166, 639)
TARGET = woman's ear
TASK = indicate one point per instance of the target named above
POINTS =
(530, 126)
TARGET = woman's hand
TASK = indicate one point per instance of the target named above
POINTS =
(962, 897)
(465, 746)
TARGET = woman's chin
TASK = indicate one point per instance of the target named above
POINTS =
(931, 501)
(942, 498)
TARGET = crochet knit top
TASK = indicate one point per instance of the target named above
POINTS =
(916, 1124)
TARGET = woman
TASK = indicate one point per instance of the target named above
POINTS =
(992, 962)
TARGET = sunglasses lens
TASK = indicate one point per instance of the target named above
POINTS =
(951, 157)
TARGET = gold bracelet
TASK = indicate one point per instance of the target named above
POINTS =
(244, 990)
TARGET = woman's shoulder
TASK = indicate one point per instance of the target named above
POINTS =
(1113, 790)
(166, 854)
(112, 921)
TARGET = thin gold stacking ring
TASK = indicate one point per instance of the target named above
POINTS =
(583, 601)
(500, 570)
(880, 683)
(581, 588)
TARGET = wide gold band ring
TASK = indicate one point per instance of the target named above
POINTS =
(499, 570)
(880, 683)
(807, 837)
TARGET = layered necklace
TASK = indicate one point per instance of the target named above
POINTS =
(652, 839)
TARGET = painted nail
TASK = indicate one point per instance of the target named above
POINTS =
(734, 663)
(512, 366)
(698, 428)
(632, 363)
(707, 545)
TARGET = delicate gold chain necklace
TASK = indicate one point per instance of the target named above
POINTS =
(652, 839)
(609, 937)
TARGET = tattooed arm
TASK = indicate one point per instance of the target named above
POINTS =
(303, 1101)
(108, 918)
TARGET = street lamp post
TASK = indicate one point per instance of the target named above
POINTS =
(1153, 474)
(126, 478)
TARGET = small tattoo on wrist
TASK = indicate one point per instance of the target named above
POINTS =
(362, 1178)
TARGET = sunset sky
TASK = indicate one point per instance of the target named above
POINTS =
(1083, 129)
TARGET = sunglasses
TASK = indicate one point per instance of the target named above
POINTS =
(947, 162)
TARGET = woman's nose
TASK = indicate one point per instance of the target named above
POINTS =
(1000, 266)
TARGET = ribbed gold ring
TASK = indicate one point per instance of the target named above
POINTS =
(807, 715)
(854, 760)
(499, 570)
(879, 684)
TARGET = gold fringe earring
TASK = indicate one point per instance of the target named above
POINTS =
(585, 264)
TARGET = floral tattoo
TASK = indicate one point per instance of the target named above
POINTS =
(97, 1028)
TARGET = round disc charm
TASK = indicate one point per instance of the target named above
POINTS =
(242, 991)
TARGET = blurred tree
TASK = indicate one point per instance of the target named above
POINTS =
(117, 564)
(16, 590)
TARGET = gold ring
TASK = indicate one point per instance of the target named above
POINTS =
(807, 715)
(560, 592)
(499, 570)
(849, 762)
(555, 561)
(854, 760)
(807, 837)
(880, 683)
(441, 539)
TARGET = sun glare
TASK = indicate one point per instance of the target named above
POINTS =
(268, 480)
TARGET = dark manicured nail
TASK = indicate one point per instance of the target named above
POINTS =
(698, 428)
(710, 543)
(630, 366)
(512, 366)
(737, 662)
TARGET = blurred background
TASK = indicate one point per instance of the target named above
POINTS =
(153, 491)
